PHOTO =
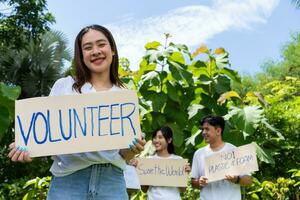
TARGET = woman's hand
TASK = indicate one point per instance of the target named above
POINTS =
(137, 145)
(18, 154)
(133, 162)
(135, 148)
(187, 168)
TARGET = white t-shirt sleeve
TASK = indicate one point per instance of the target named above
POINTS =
(59, 87)
(195, 166)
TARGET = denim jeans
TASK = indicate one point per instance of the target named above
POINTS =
(101, 181)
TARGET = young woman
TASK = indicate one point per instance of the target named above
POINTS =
(162, 140)
(92, 175)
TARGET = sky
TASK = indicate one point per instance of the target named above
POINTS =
(252, 31)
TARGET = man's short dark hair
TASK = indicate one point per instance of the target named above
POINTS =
(213, 120)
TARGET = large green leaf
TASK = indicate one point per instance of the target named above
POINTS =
(179, 73)
(11, 92)
(158, 119)
(194, 109)
(233, 75)
(222, 60)
(222, 84)
(263, 155)
(178, 137)
(198, 68)
(152, 45)
(174, 113)
(207, 101)
(246, 119)
(172, 92)
(9, 105)
(8, 95)
(157, 99)
(144, 67)
(191, 140)
(269, 126)
(183, 48)
(177, 57)
(152, 77)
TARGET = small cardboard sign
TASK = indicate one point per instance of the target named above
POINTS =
(241, 160)
(162, 172)
(77, 123)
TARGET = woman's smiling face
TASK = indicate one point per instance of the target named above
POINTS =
(97, 52)
(159, 141)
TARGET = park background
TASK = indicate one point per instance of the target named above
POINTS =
(186, 59)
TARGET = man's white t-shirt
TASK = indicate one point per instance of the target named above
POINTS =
(217, 190)
(162, 192)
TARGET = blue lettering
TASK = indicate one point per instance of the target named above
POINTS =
(113, 118)
(101, 118)
(76, 118)
(49, 129)
(128, 117)
(46, 128)
(92, 118)
(25, 138)
(61, 126)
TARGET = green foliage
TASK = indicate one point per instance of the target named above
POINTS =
(278, 189)
(34, 189)
(283, 112)
(12, 191)
(190, 193)
(8, 94)
(37, 66)
(37, 188)
(140, 195)
(23, 20)
(177, 89)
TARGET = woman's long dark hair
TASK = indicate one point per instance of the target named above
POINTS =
(82, 73)
(168, 134)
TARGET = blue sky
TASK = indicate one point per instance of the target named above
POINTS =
(252, 31)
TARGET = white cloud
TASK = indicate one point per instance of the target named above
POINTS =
(190, 25)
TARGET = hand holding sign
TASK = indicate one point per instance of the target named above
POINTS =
(135, 148)
(18, 154)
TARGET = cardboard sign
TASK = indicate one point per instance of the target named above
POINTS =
(239, 161)
(77, 123)
(162, 172)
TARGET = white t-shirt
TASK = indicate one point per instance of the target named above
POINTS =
(69, 163)
(162, 192)
(131, 178)
(217, 190)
